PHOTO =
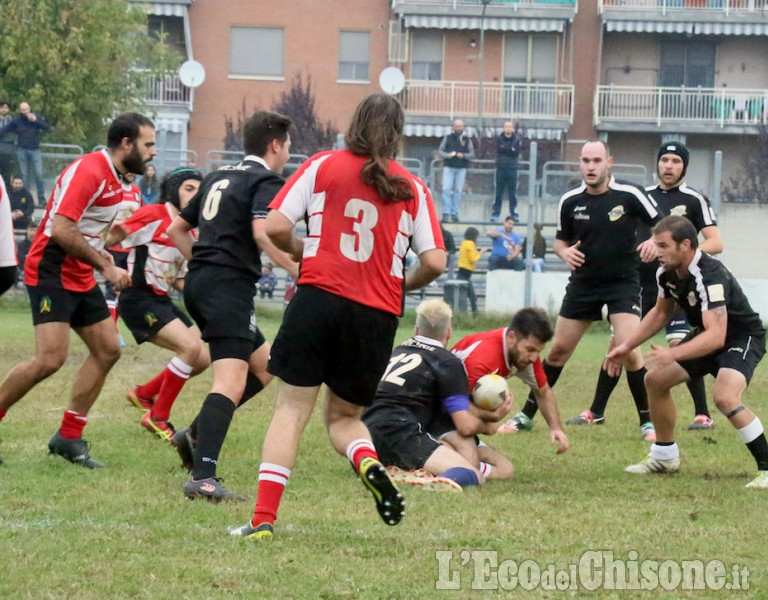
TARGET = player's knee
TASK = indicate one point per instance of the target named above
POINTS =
(48, 364)
(654, 381)
(726, 402)
(503, 469)
(108, 355)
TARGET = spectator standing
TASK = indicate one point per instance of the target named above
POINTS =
(7, 144)
(469, 254)
(506, 249)
(22, 203)
(28, 127)
(456, 150)
(508, 145)
(149, 186)
(450, 250)
(539, 249)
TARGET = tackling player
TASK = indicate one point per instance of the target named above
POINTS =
(60, 281)
(155, 266)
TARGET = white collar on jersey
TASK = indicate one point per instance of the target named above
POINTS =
(258, 159)
(427, 340)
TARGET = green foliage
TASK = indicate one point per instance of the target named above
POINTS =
(74, 61)
(750, 184)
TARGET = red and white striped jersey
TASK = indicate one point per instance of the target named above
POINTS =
(131, 202)
(89, 192)
(356, 243)
(153, 261)
(7, 239)
(486, 352)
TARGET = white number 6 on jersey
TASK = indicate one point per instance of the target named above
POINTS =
(211, 206)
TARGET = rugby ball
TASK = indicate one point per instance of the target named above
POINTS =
(490, 391)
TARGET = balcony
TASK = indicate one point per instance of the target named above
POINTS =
(539, 104)
(703, 17)
(500, 15)
(683, 110)
(167, 91)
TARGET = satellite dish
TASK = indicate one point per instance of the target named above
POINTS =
(392, 80)
(192, 73)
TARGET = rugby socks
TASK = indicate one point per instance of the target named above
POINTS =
(112, 306)
(72, 425)
(753, 436)
(214, 419)
(665, 450)
(358, 450)
(152, 388)
(485, 469)
(175, 376)
(464, 477)
(553, 374)
(253, 386)
(3, 412)
(699, 394)
(605, 386)
(636, 382)
(272, 481)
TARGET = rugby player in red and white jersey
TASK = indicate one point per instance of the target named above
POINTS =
(156, 265)
(363, 211)
(130, 204)
(8, 260)
(514, 351)
(59, 276)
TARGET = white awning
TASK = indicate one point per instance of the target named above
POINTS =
(731, 28)
(167, 9)
(438, 131)
(491, 24)
(649, 27)
(172, 125)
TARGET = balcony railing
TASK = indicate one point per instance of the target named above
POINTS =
(453, 99)
(659, 105)
(664, 6)
(166, 90)
(493, 3)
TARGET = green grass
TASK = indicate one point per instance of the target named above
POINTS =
(126, 531)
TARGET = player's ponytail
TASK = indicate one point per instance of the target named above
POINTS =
(376, 131)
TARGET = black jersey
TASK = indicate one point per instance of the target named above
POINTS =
(709, 284)
(224, 208)
(606, 225)
(680, 201)
(420, 376)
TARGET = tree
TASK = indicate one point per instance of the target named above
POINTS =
(750, 184)
(73, 61)
(308, 134)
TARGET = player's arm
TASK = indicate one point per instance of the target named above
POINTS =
(467, 417)
(548, 406)
(180, 233)
(713, 241)
(715, 323)
(65, 233)
(280, 258)
(116, 235)
(651, 324)
(431, 265)
(279, 229)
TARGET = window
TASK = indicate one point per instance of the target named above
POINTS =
(256, 52)
(354, 55)
(530, 59)
(691, 64)
(427, 55)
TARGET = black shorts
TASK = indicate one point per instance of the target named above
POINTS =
(739, 353)
(57, 305)
(399, 438)
(583, 302)
(328, 339)
(121, 260)
(145, 313)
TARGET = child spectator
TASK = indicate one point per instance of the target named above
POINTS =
(268, 281)
(469, 254)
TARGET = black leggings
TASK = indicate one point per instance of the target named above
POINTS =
(7, 278)
(466, 275)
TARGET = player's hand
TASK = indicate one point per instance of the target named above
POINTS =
(503, 409)
(118, 277)
(558, 437)
(658, 357)
(573, 257)
(647, 251)
(615, 359)
(108, 256)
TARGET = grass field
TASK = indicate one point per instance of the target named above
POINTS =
(126, 531)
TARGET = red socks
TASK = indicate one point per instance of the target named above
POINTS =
(272, 481)
(175, 375)
(358, 450)
(72, 425)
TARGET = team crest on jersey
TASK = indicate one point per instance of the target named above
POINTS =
(150, 318)
(616, 213)
(45, 305)
(678, 211)
(692, 298)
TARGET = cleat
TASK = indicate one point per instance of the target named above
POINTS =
(438, 484)
(520, 422)
(75, 451)
(139, 402)
(263, 531)
(586, 418)
(648, 431)
(761, 481)
(655, 465)
(185, 446)
(399, 475)
(211, 489)
(389, 500)
(162, 429)
(702, 422)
